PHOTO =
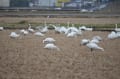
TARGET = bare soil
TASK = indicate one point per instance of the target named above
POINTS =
(25, 57)
(61, 20)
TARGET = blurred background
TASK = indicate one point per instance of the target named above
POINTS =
(82, 5)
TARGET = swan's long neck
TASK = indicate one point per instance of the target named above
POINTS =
(72, 25)
(68, 24)
(29, 26)
(116, 26)
(54, 26)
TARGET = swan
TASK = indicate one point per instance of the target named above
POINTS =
(90, 44)
(1, 28)
(25, 32)
(56, 28)
(38, 34)
(59, 29)
(84, 41)
(116, 28)
(49, 40)
(72, 34)
(85, 28)
(89, 29)
(113, 35)
(71, 29)
(82, 28)
(30, 29)
(95, 41)
(93, 46)
(63, 29)
(98, 38)
(45, 29)
(39, 27)
(14, 35)
(51, 46)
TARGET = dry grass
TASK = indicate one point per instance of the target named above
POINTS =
(25, 58)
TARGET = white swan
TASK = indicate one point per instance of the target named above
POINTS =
(85, 28)
(89, 29)
(14, 35)
(25, 32)
(56, 28)
(49, 40)
(113, 35)
(1, 28)
(51, 46)
(98, 38)
(30, 29)
(84, 41)
(93, 46)
(72, 34)
(59, 29)
(63, 29)
(116, 28)
(72, 29)
(82, 28)
(95, 41)
(38, 34)
(45, 29)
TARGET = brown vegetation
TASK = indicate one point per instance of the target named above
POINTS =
(25, 58)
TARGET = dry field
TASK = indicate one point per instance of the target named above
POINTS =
(25, 58)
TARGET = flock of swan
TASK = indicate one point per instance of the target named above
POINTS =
(92, 44)
(68, 31)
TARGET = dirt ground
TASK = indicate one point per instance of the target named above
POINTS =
(25, 57)
(61, 20)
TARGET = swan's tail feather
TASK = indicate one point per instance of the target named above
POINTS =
(101, 48)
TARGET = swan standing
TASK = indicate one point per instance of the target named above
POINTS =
(45, 29)
(30, 29)
(93, 46)
(116, 28)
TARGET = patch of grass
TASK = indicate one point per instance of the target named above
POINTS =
(24, 25)
(23, 22)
